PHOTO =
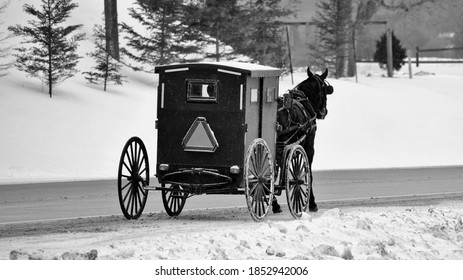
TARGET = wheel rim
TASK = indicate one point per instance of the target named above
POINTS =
(259, 179)
(173, 199)
(298, 181)
(133, 176)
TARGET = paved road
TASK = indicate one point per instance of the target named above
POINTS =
(48, 201)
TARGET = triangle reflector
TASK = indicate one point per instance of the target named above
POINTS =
(200, 137)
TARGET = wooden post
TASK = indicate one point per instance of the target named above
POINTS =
(355, 52)
(410, 73)
(390, 69)
(111, 27)
(289, 54)
(417, 56)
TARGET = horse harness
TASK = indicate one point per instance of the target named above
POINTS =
(303, 103)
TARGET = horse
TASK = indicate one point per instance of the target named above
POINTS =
(298, 119)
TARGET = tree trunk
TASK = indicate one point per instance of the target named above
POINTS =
(344, 53)
(106, 74)
(217, 42)
(50, 65)
(163, 37)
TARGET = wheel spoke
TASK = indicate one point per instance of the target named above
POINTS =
(252, 180)
(128, 168)
(126, 185)
(264, 158)
(141, 172)
(253, 167)
(127, 193)
(132, 198)
(132, 156)
(267, 172)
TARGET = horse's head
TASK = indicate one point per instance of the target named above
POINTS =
(316, 89)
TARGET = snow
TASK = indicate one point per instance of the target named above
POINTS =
(378, 122)
(418, 231)
(78, 134)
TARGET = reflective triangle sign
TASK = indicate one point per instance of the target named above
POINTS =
(200, 137)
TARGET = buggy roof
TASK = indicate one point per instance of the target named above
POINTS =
(253, 70)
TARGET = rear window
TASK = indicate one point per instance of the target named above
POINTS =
(205, 91)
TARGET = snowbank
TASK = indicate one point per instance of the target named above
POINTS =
(346, 233)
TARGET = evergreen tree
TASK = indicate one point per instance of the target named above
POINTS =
(333, 36)
(107, 69)
(4, 51)
(263, 40)
(50, 54)
(168, 38)
(398, 53)
(221, 21)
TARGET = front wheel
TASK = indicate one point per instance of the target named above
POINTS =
(259, 179)
(132, 178)
(298, 181)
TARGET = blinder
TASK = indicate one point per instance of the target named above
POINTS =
(328, 88)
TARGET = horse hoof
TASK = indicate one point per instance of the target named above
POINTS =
(276, 209)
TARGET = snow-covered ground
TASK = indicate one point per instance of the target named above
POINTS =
(375, 123)
(79, 133)
(399, 232)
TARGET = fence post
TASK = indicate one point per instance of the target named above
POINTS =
(409, 54)
(417, 56)
(390, 67)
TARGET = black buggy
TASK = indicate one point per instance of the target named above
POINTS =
(217, 134)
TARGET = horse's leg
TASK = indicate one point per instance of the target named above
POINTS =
(276, 208)
(310, 151)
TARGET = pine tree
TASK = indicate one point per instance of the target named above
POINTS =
(50, 54)
(399, 53)
(263, 33)
(220, 20)
(107, 69)
(4, 51)
(324, 51)
(333, 36)
(168, 38)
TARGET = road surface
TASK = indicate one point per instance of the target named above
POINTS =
(50, 201)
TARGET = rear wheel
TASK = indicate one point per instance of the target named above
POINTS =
(259, 179)
(173, 199)
(298, 181)
(133, 177)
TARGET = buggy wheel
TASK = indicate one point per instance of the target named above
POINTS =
(132, 178)
(298, 181)
(173, 199)
(259, 179)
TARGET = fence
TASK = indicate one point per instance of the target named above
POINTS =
(419, 51)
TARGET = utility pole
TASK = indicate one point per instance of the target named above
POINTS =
(289, 54)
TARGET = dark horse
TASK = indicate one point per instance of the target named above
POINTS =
(298, 119)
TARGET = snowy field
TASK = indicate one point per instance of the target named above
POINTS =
(375, 123)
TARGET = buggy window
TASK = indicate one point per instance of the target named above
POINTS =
(202, 90)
